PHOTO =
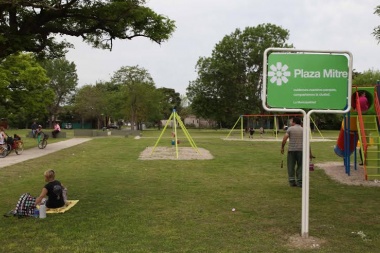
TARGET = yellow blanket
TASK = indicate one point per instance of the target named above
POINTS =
(64, 208)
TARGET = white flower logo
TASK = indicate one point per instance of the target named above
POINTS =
(279, 73)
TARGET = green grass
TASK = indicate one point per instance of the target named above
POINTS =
(131, 205)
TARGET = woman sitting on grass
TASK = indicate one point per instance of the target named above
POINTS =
(54, 190)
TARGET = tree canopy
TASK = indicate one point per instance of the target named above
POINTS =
(171, 100)
(229, 82)
(63, 80)
(376, 30)
(89, 103)
(31, 25)
(141, 99)
(25, 93)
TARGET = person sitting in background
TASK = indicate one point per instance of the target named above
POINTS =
(54, 190)
(56, 130)
(34, 129)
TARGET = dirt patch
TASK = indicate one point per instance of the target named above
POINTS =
(336, 171)
(170, 153)
(296, 241)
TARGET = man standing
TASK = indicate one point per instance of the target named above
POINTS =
(294, 158)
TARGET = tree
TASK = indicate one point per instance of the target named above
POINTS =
(63, 80)
(113, 101)
(229, 83)
(139, 94)
(31, 25)
(367, 78)
(89, 103)
(376, 30)
(172, 100)
(24, 89)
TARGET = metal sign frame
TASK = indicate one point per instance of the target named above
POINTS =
(306, 122)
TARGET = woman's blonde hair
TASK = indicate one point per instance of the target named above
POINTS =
(50, 174)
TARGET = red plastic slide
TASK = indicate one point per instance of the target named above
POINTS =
(339, 148)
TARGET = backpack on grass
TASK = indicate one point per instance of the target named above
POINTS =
(25, 206)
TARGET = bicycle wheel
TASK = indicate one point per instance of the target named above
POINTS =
(40, 139)
(9, 149)
(44, 143)
(19, 148)
(3, 151)
(40, 144)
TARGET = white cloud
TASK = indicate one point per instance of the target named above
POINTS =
(319, 24)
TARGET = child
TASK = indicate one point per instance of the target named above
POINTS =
(261, 131)
(39, 133)
(54, 190)
(251, 132)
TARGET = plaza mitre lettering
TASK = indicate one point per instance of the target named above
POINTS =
(326, 73)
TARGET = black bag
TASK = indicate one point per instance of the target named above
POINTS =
(10, 140)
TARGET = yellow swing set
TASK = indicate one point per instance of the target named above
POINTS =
(176, 119)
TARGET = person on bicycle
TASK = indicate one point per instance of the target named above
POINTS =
(3, 136)
(38, 132)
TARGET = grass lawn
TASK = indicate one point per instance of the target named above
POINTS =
(131, 205)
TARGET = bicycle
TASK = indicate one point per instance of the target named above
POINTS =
(4, 150)
(15, 144)
(42, 140)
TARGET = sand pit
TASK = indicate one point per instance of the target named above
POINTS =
(169, 153)
(336, 171)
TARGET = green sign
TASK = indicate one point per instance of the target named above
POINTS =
(307, 81)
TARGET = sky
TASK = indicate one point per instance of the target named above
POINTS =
(341, 25)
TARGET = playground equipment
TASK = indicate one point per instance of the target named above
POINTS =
(362, 126)
(256, 121)
(348, 130)
(175, 141)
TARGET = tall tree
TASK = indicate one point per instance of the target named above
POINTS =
(172, 100)
(112, 101)
(140, 96)
(229, 83)
(89, 103)
(24, 90)
(32, 25)
(63, 81)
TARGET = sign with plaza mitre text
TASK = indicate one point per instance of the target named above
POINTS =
(309, 81)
